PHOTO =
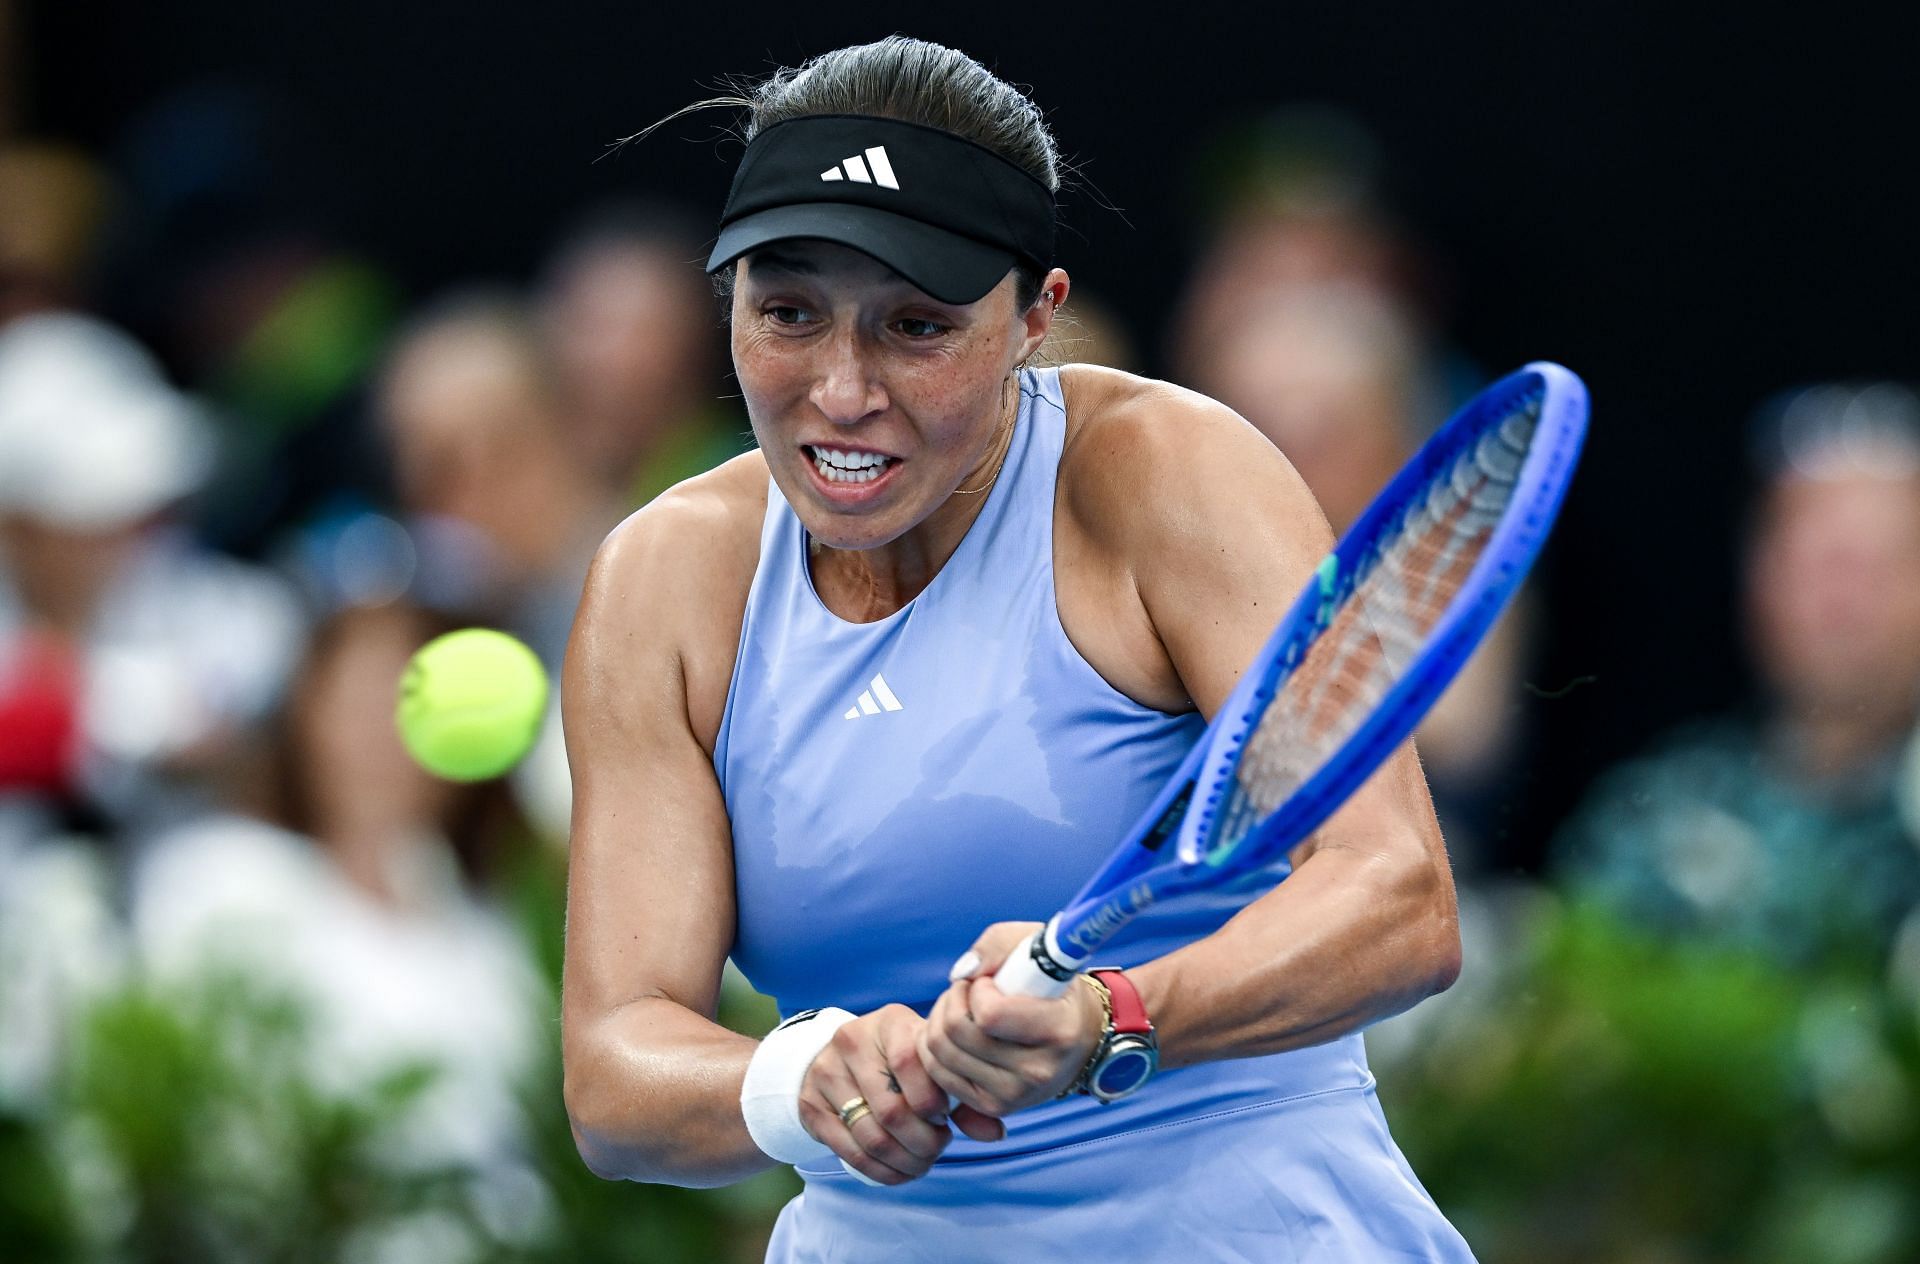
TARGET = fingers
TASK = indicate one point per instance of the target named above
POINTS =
(977, 1124)
(906, 1075)
(1021, 1020)
(894, 1131)
(977, 1070)
(988, 951)
(888, 1141)
(1001, 1053)
(953, 1084)
(968, 1118)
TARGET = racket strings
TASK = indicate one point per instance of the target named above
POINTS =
(1397, 597)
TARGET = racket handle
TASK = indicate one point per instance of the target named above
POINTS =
(1021, 975)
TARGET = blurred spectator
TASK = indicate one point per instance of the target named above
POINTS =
(507, 513)
(53, 203)
(1777, 830)
(356, 887)
(1294, 198)
(1336, 377)
(472, 410)
(636, 339)
(132, 665)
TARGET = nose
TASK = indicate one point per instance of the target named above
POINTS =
(846, 389)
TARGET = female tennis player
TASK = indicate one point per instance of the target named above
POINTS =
(910, 670)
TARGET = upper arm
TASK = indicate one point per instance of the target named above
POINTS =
(650, 904)
(1220, 535)
(1211, 528)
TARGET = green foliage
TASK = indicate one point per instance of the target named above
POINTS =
(38, 1216)
(187, 1122)
(1619, 1099)
(1632, 1099)
(184, 1126)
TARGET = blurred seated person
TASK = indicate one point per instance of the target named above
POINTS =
(1296, 197)
(471, 407)
(133, 665)
(634, 335)
(1776, 829)
(1339, 379)
(506, 512)
(357, 884)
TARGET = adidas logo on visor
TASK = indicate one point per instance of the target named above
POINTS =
(872, 169)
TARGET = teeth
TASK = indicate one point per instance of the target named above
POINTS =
(848, 467)
(847, 460)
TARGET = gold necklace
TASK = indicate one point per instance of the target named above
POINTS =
(1006, 445)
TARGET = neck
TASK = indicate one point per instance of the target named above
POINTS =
(1826, 744)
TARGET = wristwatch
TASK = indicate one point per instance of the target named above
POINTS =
(1129, 1051)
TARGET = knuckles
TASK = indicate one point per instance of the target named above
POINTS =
(890, 1152)
(941, 1044)
(879, 1171)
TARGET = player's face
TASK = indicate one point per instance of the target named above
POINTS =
(872, 401)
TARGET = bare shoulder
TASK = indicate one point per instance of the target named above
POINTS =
(668, 589)
(1179, 532)
(714, 517)
(1144, 456)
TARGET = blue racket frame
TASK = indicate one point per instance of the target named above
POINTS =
(1140, 874)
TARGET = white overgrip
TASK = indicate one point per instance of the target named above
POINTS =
(1019, 975)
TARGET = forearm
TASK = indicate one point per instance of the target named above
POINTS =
(1352, 937)
(653, 1091)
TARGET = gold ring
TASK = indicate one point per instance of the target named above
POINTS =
(854, 1111)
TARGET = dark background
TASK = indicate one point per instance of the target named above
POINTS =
(1692, 208)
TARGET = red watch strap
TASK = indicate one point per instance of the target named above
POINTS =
(1129, 1011)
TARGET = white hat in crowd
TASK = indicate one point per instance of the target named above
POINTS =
(92, 436)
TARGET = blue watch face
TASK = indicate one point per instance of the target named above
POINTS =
(1125, 1070)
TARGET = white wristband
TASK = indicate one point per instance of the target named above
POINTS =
(770, 1095)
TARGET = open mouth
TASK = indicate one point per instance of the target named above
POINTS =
(846, 465)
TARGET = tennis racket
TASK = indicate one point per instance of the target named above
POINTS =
(1388, 620)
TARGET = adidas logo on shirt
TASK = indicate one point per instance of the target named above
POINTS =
(872, 169)
(874, 699)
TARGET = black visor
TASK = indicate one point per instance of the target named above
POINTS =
(943, 212)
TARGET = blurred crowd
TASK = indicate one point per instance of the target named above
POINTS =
(243, 475)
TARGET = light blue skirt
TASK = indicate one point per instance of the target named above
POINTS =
(1314, 1179)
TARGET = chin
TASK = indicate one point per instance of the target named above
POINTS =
(847, 523)
(841, 530)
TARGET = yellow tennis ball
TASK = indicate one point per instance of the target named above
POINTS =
(471, 703)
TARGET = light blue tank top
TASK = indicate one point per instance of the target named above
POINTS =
(894, 787)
